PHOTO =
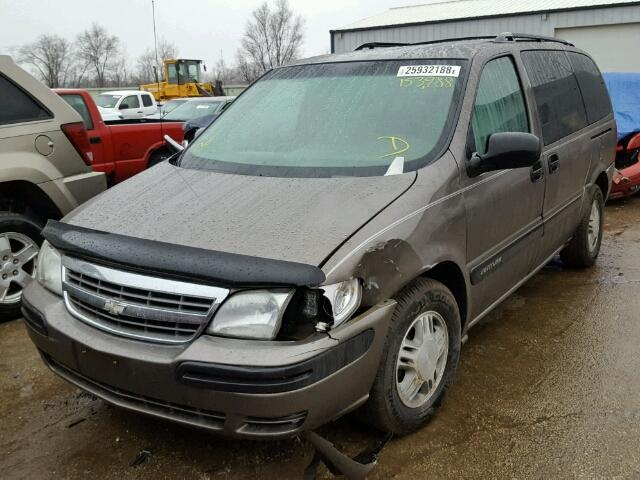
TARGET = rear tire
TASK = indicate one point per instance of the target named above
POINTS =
(401, 400)
(584, 247)
(20, 241)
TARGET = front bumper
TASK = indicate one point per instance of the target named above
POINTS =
(240, 388)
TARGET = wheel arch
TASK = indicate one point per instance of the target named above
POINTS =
(602, 181)
(21, 196)
(450, 275)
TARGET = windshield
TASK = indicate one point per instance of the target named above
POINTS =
(193, 109)
(170, 106)
(107, 101)
(340, 119)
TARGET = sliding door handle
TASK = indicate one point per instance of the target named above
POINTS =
(554, 163)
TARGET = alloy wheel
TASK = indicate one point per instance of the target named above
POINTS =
(422, 359)
(18, 257)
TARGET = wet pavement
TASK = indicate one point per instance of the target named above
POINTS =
(548, 386)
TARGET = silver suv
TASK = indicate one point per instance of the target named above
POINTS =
(44, 173)
(327, 242)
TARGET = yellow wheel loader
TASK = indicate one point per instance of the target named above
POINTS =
(181, 78)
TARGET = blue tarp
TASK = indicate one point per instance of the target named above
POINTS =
(624, 90)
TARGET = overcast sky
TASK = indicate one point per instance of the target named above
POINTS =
(200, 28)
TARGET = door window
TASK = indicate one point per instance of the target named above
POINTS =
(16, 106)
(130, 102)
(594, 91)
(499, 105)
(77, 102)
(556, 91)
(146, 100)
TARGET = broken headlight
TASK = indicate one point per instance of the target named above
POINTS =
(49, 269)
(255, 314)
(344, 298)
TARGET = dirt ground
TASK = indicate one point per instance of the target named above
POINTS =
(548, 386)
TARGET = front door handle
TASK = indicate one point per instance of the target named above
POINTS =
(554, 163)
(537, 171)
(94, 140)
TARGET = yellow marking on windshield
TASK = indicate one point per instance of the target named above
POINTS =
(399, 145)
(427, 82)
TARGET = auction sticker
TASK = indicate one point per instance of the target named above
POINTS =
(429, 71)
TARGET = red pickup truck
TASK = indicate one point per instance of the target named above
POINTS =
(124, 147)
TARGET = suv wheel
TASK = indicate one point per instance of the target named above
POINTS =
(419, 358)
(20, 242)
(583, 249)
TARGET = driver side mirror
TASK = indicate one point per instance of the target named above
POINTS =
(123, 106)
(506, 150)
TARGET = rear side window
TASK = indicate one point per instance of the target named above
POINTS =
(17, 107)
(499, 105)
(594, 91)
(130, 102)
(556, 91)
(78, 104)
(146, 100)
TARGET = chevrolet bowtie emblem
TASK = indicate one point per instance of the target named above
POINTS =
(113, 307)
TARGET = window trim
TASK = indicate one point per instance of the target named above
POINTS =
(470, 144)
(33, 99)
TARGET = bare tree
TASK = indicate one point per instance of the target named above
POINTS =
(120, 72)
(51, 58)
(98, 49)
(147, 60)
(273, 37)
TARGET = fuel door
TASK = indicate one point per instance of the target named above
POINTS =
(44, 145)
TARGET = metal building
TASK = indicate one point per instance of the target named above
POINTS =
(608, 29)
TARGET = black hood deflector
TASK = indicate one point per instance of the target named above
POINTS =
(167, 259)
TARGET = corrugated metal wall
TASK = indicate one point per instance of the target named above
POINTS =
(537, 23)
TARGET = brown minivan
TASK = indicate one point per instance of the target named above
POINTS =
(327, 242)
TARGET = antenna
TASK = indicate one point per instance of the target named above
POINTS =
(155, 44)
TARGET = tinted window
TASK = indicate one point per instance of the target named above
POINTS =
(78, 104)
(146, 100)
(131, 102)
(499, 105)
(16, 106)
(557, 95)
(594, 91)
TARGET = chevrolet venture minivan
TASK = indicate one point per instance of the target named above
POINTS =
(327, 242)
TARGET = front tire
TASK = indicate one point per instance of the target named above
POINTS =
(419, 359)
(584, 247)
(20, 242)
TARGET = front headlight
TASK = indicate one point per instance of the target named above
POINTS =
(251, 314)
(344, 298)
(49, 272)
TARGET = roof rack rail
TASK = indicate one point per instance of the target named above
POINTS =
(502, 37)
(524, 37)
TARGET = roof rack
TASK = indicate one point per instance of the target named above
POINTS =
(502, 37)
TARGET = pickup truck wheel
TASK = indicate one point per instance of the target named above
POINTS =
(419, 359)
(20, 242)
(583, 249)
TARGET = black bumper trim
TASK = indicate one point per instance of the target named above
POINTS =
(149, 256)
(231, 378)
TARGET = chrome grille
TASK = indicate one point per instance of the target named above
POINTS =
(138, 306)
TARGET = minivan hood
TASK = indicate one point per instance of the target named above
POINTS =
(296, 219)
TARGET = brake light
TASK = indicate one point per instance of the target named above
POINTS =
(77, 135)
